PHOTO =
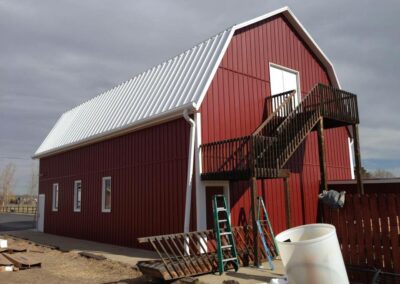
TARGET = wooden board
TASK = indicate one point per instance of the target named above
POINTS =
(4, 261)
(92, 255)
(16, 248)
(23, 260)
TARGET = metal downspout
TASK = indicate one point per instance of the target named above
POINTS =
(189, 182)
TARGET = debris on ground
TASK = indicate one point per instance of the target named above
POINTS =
(92, 255)
(45, 264)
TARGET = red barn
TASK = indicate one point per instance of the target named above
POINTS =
(238, 114)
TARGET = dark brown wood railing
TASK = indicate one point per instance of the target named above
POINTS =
(274, 102)
(228, 158)
(267, 150)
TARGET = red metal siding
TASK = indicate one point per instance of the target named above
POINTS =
(148, 170)
(234, 105)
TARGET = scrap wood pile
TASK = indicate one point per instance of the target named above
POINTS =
(195, 253)
(14, 257)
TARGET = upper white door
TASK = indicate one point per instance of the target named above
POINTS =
(282, 80)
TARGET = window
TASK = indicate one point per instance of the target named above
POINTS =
(77, 195)
(106, 195)
(55, 197)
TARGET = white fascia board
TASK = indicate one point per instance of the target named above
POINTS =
(365, 181)
(261, 18)
(304, 35)
(154, 120)
(214, 69)
(313, 45)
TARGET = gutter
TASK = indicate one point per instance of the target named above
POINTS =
(189, 181)
(351, 156)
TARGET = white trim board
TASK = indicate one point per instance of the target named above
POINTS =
(365, 181)
(201, 205)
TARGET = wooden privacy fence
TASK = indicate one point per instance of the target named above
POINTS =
(18, 209)
(368, 229)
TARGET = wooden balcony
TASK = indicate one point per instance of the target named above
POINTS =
(263, 153)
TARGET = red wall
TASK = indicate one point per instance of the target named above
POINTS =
(234, 106)
(148, 170)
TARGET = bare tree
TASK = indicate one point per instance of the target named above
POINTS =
(33, 190)
(380, 173)
(7, 182)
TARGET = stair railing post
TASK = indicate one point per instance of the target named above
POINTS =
(357, 157)
(287, 203)
(321, 154)
(321, 92)
(254, 220)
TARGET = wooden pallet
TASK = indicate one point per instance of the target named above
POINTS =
(23, 260)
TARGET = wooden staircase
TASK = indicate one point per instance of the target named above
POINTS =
(265, 152)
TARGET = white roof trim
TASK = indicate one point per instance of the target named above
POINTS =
(187, 75)
(366, 181)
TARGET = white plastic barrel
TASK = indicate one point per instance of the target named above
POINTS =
(311, 254)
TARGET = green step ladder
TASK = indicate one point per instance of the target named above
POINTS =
(226, 251)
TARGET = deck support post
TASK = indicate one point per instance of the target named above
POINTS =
(287, 203)
(254, 220)
(321, 152)
(357, 157)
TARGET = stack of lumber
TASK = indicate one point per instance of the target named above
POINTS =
(16, 257)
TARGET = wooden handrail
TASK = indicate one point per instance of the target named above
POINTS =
(277, 111)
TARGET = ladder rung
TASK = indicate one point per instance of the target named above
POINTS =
(225, 233)
(227, 246)
(222, 220)
(219, 209)
(229, 259)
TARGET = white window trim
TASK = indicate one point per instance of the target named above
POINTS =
(76, 209)
(54, 206)
(284, 68)
(103, 194)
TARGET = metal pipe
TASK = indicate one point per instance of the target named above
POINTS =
(351, 156)
(189, 182)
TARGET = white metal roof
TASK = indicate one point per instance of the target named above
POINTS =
(159, 93)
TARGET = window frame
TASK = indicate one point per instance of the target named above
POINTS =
(103, 194)
(76, 209)
(54, 199)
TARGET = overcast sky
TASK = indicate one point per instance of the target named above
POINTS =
(56, 54)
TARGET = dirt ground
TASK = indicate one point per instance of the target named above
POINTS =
(69, 267)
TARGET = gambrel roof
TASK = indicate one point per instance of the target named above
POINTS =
(160, 93)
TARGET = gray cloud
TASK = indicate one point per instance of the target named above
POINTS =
(56, 54)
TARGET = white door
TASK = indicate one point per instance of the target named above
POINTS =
(40, 213)
(282, 80)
